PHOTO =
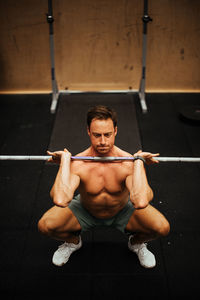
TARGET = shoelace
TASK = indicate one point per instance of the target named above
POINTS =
(62, 247)
(65, 246)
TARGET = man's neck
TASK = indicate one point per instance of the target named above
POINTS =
(112, 152)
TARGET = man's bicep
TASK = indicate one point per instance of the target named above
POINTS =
(74, 184)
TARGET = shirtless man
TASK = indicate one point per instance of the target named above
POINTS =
(113, 194)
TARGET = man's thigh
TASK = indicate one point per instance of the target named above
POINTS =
(62, 219)
(146, 220)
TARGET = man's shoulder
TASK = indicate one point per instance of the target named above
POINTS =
(128, 165)
(84, 153)
(121, 152)
(78, 165)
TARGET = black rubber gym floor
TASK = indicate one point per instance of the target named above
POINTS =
(103, 268)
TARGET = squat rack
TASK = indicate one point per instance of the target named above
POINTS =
(55, 92)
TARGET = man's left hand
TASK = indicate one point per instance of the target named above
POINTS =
(149, 157)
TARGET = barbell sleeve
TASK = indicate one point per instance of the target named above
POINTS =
(24, 157)
(178, 159)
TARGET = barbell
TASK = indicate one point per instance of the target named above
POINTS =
(98, 158)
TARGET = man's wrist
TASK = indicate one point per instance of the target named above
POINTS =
(139, 157)
(65, 158)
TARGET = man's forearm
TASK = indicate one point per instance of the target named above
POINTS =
(61, 192)
(141, 193)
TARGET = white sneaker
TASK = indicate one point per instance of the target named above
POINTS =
(62, 255)
(146, 258)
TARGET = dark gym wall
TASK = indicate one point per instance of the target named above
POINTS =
(98, 45)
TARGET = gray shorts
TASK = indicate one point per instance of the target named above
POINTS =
(87, 221)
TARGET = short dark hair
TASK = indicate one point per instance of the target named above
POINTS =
(101, 112)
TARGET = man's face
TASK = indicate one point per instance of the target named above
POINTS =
(102, 135)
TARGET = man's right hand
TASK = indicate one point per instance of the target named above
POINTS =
(57, 156)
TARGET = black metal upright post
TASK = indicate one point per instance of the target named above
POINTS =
(146, 19)
(55, 92)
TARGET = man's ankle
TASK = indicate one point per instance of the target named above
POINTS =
(74, 240)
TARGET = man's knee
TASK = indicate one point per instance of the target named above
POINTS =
(46, 226)
(162, 228)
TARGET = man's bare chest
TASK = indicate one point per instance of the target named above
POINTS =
(99, 177)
